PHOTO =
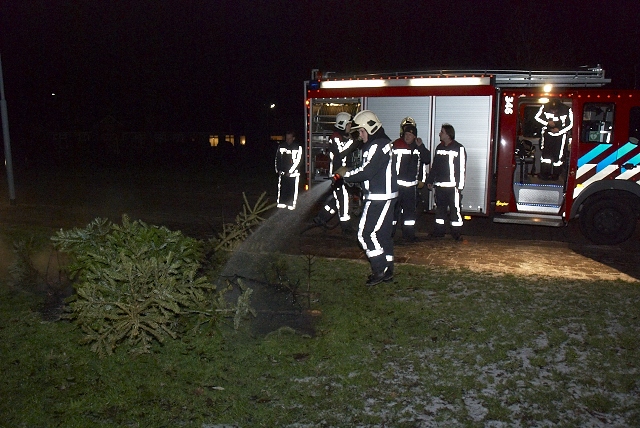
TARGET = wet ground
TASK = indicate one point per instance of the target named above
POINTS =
(500, 249)
(198, 206)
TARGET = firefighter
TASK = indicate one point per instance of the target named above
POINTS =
(447, 177)
(341, 145)
(288, 159)
(380, 189)
(411, 159)
(557, 120)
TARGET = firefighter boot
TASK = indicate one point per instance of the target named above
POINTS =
(409, 234)
(376, 278)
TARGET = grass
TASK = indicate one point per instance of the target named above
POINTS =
(434, 348)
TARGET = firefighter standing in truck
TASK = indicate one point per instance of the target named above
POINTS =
(341, 145)
(288, 157)
(411, 160)
(380, 189)
(557, 120)
(447, 177)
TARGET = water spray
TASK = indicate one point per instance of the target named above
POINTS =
(251, 260)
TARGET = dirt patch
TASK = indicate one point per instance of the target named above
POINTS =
(535, 258)
(561, 254)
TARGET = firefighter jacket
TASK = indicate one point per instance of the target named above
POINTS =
(563, 120)
(288, 158)
(553, 144)
(377, 172)
(340, 146)
(411, 162)
(449, 166)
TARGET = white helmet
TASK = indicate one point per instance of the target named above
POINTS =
(342, 119)
(368, 120)
(406, 121)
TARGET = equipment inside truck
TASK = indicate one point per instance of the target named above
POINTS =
(323, 118)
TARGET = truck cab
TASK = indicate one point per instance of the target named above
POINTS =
(598, 183)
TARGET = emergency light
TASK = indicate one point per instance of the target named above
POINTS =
(314, 84)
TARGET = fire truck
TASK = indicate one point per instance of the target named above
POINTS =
(494, 113)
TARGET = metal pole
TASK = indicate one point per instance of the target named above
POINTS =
(7, 142)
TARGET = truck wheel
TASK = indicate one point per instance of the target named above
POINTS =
(607, 221)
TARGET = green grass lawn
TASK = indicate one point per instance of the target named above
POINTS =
(434, 348)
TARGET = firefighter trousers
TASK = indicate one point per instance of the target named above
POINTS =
(447, 202)
(374, 234)
(551, 157)
(405, 209)
(337, 202)
(287, 191)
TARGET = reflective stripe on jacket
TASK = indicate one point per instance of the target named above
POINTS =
(411, 162)
(449, 166)
(288, 158)
(377, 172)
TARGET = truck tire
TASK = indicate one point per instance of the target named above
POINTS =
(607, 221)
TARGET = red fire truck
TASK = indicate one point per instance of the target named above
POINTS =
(496, 115)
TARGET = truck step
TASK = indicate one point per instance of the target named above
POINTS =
(531, 219)
(539, 209)
(538, 194)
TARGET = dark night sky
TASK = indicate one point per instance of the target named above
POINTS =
(208, 65)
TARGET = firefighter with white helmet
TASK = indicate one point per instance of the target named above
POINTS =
(380, 189)
(343, 120)
(341, 145)
(412, 158)
(288, 158)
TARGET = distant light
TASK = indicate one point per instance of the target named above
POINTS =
(53, 94)
(547, 88)
(272, 106)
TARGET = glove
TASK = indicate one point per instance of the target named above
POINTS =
(336, 180)
(342, 171)
(420, 184)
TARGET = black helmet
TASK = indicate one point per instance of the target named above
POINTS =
(409, 127)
